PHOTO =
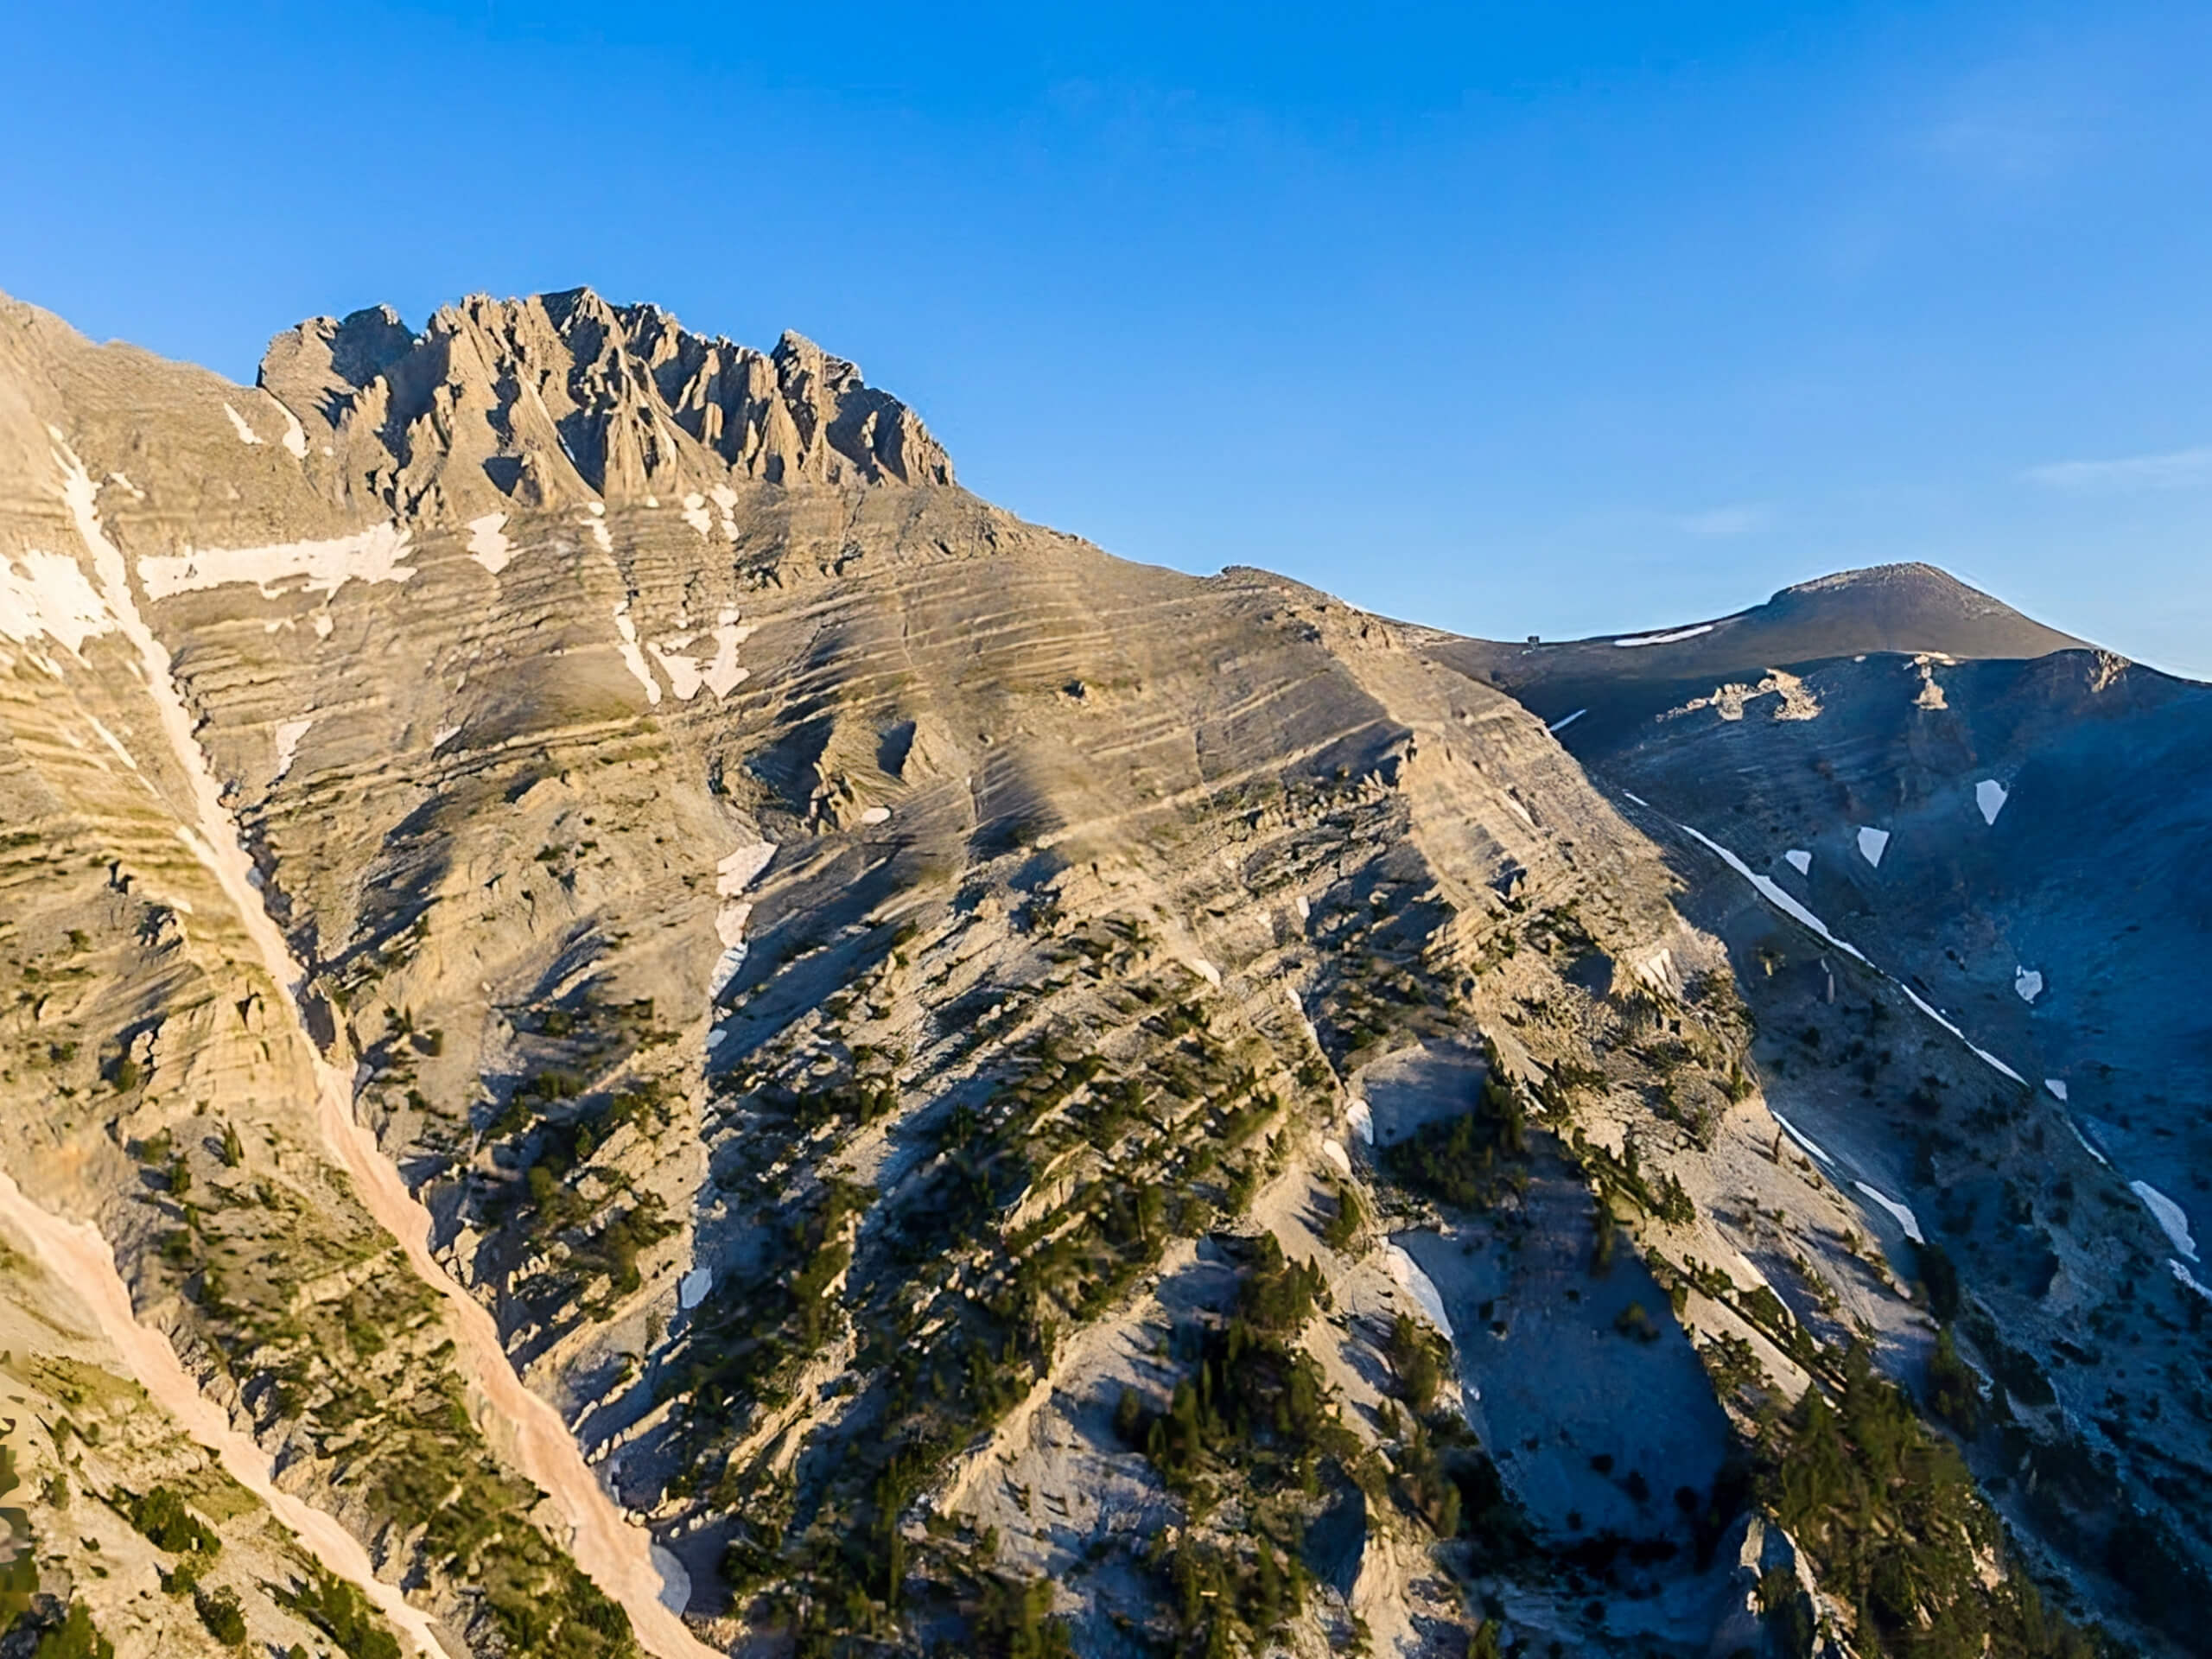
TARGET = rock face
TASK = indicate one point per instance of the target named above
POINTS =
(562, 398)
(879, 1001)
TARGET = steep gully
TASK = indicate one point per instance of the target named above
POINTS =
(76, 1253)
(617, 1556)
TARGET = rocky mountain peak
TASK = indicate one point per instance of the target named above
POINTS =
(566, 397)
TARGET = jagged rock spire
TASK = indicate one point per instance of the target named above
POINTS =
(563, 396)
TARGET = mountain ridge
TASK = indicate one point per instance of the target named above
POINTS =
(1002, 1094)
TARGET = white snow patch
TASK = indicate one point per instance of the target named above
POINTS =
(1305, 910)
(2169, 1215)
(595, 522)
(2086, 1144)
(633, 658)
(732, 876)
(1522, 811)
(726, 499)
(2028, 982)
(444, 735)
(695, 515)
(488, 546)
(323, 624)
(875, 815)
(1799, 860)
(1205, 970)
(295, 440)
(2189, 1279)
(239, 425)
(1800, 1138)
(1903, 1217)
(1982, 1054)
(48, 594)
(1872, 843)
(683, 676)
(1338, 1155)
(1561, 725)
(1419, 1286)
(1361, 1117)
(692, 1288)
(1772, 892)
(2057, 1087)
(738, 871)
(1667, 638)
(289, 733)
(115, 743)
(1638, 799)
(1990, 796)
(373, 554)
(724, 676)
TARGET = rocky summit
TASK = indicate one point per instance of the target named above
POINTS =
(635, 1025)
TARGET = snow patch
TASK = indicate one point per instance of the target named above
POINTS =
(2169, 1215)
(695, 514)
(1772, 890)
(2188, 1279)
(683, 676)
(1361, 1118)
(1903, 1216)
(1305, 910)
(1990, 796)
(876, 814)
(443, 736)
(725, 497)
(115, 743)
(1561, 725)
(1872, 843)
(1799, 860)
(724, 676)
(48, 595)
(488, 546)
(1205, 970)
(1338, 1155)
(289, 733)
(692, 1288)
(633, 658)
(675, 1582)
(732, 876)
(239, 425)
(1666, 638)
(1800, 1138)
(2057, 1087)
(2028, 982)
(295, 440)
(372, 555)
(1419, 1286)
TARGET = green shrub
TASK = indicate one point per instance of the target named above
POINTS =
(161, 1514)
(75, 1638)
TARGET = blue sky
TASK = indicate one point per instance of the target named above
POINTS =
(1513, 320)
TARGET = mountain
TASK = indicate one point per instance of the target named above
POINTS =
(652, 1028)
(1957, 816)
(1913, 609)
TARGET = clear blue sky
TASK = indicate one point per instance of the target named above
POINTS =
(1527, 319)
